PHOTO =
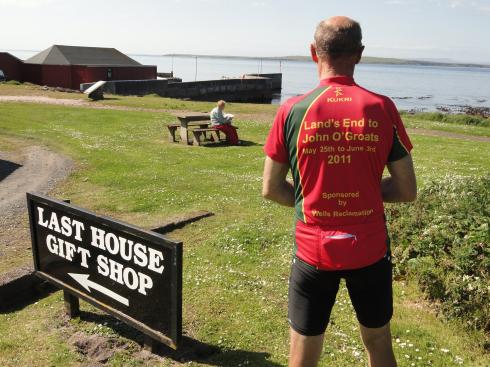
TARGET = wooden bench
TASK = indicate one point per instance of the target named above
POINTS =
(201, 132)
(172, 129)
(198, 133)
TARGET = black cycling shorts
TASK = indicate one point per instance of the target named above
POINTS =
(312, 294)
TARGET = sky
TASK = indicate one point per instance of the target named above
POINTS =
(457, 30)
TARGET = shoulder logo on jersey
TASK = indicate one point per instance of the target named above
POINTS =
(339, 96)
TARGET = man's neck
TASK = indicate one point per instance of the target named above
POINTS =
(329, 71)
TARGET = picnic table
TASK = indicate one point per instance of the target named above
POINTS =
(196, 122)
(187, 120)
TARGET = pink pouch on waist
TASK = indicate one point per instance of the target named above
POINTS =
(348, 247)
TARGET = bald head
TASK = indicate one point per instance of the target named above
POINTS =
(338, 36)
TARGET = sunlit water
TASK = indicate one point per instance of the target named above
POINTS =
(411, 87)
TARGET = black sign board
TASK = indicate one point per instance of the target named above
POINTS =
(132, 274)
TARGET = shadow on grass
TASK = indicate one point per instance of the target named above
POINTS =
(7, 168)
(191, 350)
(104, 99)
(243, 143)
(22, 289)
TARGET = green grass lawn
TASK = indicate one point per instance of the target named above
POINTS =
(421, 121)
(236, 264)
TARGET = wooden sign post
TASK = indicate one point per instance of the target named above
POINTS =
(133, 274)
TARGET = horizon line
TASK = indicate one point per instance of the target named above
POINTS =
(443, 61)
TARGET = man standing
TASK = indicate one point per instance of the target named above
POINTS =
(222, 122)
(337, 140)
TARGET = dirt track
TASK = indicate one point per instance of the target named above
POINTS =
(39, 169)
(26, 169)
(74, 103)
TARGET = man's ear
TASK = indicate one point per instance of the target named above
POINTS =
(314, 55)
(359, 57)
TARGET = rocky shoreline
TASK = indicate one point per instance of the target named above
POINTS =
(477, 111)
(467, 110)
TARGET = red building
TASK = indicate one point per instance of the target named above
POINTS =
(69, 66)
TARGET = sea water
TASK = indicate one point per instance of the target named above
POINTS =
(412, 87)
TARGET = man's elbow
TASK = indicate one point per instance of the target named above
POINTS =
(410, 195)
(267, 193)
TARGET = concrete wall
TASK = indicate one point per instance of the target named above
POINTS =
(133, 87)
(233, 90)
(11, 66)
(276, 79)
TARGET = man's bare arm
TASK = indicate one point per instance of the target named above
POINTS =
(275, 187)
(401, 185)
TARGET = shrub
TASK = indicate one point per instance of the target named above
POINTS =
(443, 240)
(13, 82)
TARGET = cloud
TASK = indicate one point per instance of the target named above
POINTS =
(395, 2)
(483, 8)
(26, 3)
(480, 6)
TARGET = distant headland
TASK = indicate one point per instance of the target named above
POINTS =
(365, 60)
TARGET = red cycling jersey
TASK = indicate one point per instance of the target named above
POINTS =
(337, 140)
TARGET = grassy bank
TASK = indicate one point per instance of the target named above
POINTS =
(235, 263)
(455, 123)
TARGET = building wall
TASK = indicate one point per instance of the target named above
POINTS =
(70, 76)
(89, 74)
(11, 66)
(32, 73)
(50, 75)
(56, 76)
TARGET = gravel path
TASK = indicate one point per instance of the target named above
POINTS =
(34, 169)
(75, 103)
(39, 171)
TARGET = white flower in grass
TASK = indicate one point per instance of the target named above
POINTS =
(356, 353)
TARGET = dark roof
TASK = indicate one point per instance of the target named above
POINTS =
(10, 55)
(75, 55)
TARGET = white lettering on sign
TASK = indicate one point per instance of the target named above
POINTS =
(67, 250)
(116, 245)
(113, 245)
(123, 275)
(67, 224)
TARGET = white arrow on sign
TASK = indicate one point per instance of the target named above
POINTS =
(87, 284)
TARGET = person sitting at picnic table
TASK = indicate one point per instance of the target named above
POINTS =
(222, 122)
